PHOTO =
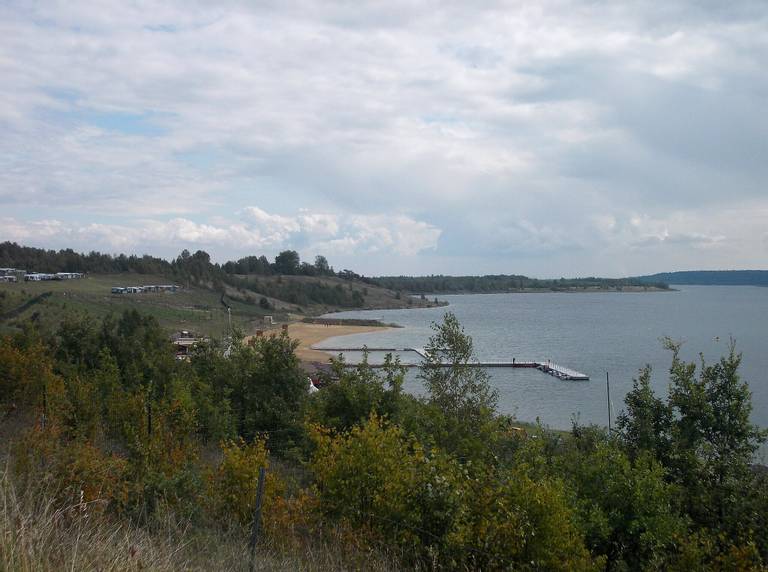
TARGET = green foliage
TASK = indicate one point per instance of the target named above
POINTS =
(627, 508)
(390, 489)
(260, 383)
(647, 422)
(440, 284)
(704, 438)
(232, 486)
(512, 520)
(287, 262)
(457, 387)
(303, 292)
(386, 486)
(26, 370)
(462, 402)
(357, 393)
(322, 267)
(440, 482)
(71, 471)
(249, 265)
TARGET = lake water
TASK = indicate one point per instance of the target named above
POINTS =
(593, 333)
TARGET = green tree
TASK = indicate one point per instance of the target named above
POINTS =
(647, 422)
(459, 393)
(287, 262)
(261, 382)
(714, 440)
(321, 265)
(358, 393)
(705, 439)
(451, 376)
(627, 508)
(387, 487)
(513, 519)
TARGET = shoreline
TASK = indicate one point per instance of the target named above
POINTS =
(309, 335)
(626, 290)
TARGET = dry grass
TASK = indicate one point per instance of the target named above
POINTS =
(36, 535)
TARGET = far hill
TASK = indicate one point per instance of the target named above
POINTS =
(710, 278)
(497, 283)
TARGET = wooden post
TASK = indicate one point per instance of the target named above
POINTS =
(149, 410)
(45, 406)
(608, 387)
(256, 525)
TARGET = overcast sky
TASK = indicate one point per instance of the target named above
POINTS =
(545, 138)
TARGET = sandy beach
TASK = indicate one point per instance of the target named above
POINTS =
(310, 334)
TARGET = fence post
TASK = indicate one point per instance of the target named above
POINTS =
(256, 525)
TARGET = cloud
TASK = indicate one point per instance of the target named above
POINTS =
(373, 234)
(257, 232)
(531, 137)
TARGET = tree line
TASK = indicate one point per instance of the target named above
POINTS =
(198, 266)
(287, 262)
(440, 284)
(197, 269)
(438, 481)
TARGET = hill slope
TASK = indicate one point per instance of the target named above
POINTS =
(194, 307)
(283, 290)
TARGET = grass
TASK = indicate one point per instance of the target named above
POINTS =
(374, 297)
(38, 535)
(195, 309)
(191, 308)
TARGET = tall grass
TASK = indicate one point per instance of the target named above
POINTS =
(38, 535)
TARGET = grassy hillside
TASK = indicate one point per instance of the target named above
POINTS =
(302, 293)
(192, 308)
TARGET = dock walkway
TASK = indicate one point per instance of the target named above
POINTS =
(545, 366)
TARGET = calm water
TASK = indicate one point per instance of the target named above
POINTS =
(591, 333)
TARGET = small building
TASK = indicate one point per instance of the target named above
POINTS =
(161, 288)
(39, 277)
(10, 271)
(145, 288)
(183, 342)
(8, 278)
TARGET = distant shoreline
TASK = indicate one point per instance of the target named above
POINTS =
(709, 278)
(623, 290)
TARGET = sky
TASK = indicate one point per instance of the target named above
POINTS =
(548, 138)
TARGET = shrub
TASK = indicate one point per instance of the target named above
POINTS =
(232, 486)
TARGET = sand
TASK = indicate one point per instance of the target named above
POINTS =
(311, 334)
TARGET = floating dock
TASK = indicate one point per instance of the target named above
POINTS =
(545, 366)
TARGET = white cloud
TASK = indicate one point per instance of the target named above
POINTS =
(524, 133)
(260, 232)
(376, 234)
